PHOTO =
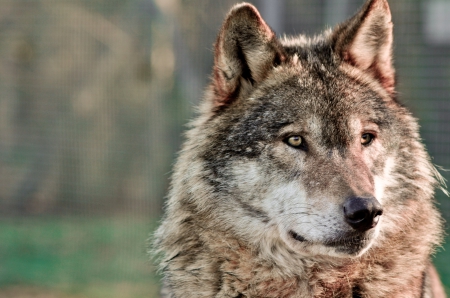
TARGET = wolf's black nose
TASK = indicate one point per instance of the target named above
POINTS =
(362, 213)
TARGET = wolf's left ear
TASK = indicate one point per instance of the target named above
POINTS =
(246, 50)
(365, 41)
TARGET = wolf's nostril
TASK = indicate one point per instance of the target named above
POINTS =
(362, 214)
(358, 215)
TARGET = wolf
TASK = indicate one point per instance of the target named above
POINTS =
(303, 174)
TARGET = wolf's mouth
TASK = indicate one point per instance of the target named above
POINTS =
(352, 240)
(348, 243)
(297, 236)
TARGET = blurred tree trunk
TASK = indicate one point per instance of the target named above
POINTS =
(32, 142)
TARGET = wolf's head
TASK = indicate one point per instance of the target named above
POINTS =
(301, 143)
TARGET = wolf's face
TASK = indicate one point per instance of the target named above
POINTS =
(299, 136)
(310, 155)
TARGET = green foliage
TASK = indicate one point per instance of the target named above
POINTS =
(90, 257)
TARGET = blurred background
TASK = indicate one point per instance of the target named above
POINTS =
(94, 95)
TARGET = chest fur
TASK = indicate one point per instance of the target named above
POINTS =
(244, 276)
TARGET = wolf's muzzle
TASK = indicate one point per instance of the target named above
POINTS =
(362, 214)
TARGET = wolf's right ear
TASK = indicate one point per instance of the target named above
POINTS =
(245, 52)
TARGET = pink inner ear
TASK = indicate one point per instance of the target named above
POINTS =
(385, 67)
(371, 49)
(378, 64)
(361, 57)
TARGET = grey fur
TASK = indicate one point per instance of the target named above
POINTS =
(248, 215)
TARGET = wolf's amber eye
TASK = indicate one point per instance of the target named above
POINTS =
(295, 141)
(367, 138)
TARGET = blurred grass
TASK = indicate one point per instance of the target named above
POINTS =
(79, 257)
(83, 257)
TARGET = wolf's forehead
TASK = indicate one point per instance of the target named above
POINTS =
(320, 106)
(324, 89)
(321, 95)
